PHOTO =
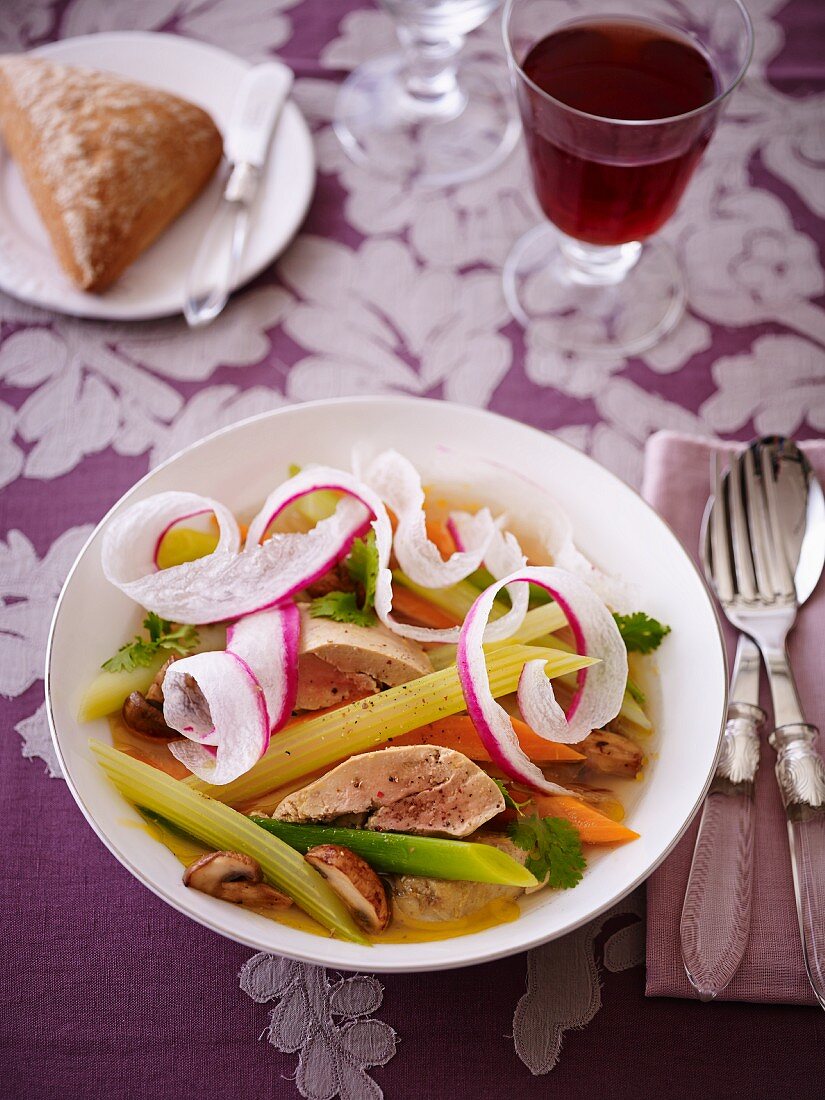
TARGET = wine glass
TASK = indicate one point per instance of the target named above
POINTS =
(426, 115)
(618, 99)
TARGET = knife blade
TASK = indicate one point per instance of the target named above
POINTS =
(255, 114)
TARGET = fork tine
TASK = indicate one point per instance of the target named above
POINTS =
(743, 562)
(762, 544)
(721, 566)
(784, 577)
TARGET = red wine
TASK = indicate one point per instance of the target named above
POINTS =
(608, 182)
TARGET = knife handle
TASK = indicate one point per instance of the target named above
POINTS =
(716, 915)
(215, 270)
(800, 773)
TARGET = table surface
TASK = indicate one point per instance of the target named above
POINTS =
(107, 991)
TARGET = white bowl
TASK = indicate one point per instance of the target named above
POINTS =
(613, 526)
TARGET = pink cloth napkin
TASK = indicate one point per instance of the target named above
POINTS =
(676, 483)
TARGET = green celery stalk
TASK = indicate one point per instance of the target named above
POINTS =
(398, 853)
(457, 599)
(224, 829)
(482, 578)
(534, 630)
(318, 505)
(315, 743)
(630, 710)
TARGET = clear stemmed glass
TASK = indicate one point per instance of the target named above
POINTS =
(637, 89)
(426, 114)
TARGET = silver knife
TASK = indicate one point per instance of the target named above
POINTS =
(716, 915)
(255, 113)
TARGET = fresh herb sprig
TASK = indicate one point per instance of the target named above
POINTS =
(554, 849)
(344, 607)
(140, 652)
(641, 633)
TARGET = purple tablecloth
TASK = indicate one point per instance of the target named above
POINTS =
(105, 990)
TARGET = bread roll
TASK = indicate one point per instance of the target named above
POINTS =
(109, 163)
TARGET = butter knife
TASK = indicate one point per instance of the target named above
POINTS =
(255, 114)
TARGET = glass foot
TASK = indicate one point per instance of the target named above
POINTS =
(606, 303)
(461, 136)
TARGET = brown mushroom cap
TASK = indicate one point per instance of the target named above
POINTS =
(355, 883)
(145, 717)
(235, 877)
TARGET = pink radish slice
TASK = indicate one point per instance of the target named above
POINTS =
(217, 702)
(598, 696)
(268, 642)
(398, 484)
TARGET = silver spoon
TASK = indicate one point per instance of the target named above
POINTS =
(785, 513)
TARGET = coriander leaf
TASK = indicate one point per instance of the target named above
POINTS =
(640, 633)
(508, 798)
(362, 565)
(554, 849)
(140, 652)
(635, 692)
(342, 607)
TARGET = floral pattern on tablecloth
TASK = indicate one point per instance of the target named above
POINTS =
(387, 291)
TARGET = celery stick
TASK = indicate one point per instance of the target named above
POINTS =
(483, 578)
(226, 830)
(312, 744)
(630, 710)
(105, 694)
(457, 599)
(397, 853)
(537, 624)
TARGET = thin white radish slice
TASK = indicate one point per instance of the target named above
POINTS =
(398, 483)
(268, 642)
(215, 700)
(600, 689)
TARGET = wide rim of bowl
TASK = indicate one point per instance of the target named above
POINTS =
(314, 952)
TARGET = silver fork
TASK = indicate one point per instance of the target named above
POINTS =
(716, 914)
(762, 599)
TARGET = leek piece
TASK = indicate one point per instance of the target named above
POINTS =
(318, 505)
(314, 743)
(397, 853)
(182, 544)
(105, 694)
(225, 829)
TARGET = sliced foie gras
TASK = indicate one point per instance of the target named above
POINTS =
(419, 898)
(342, 661)
(420, 789)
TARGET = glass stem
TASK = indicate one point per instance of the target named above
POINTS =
(598, 265)
(430, 71)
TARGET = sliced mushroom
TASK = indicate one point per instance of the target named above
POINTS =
(355, 883)
(145, 717)
(232, 876)
(155, 692)
(611, 753)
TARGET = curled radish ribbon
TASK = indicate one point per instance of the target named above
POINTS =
(227, 705)
(600, 688)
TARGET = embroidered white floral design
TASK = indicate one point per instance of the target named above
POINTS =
(37, 741)
(328, 1024)
(374, 320)
(250, 28)
(563, 989)
(92, 386)
(780, 385)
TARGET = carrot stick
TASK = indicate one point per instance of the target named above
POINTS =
(421, 611)
(439, 534)
(592, 826)
(458, 732)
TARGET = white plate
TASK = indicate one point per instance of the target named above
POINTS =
(153, 286)
(614, 526)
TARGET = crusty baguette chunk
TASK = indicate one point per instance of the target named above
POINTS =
(109, 163)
